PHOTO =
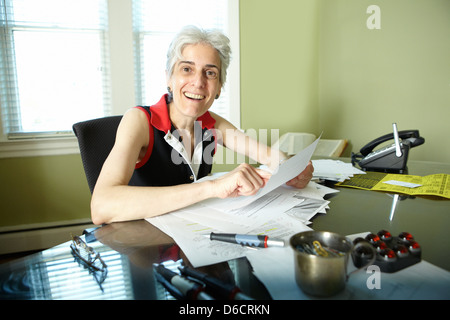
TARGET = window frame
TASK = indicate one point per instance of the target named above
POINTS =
(26, 144)
(122, 83)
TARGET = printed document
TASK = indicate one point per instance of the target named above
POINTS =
(432, 185)
(263, 213)
(285, 172)
(201, 251)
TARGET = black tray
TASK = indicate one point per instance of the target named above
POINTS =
(393, 253)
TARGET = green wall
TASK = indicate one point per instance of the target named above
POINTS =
(306, 65)
(314, 66)
(400, 73)
(279, 65)
(42, 189)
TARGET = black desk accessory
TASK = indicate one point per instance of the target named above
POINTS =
(393, 253)
(392, 158)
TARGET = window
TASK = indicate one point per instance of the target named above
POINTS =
(156, 22)
(63, 61)
(53, 65)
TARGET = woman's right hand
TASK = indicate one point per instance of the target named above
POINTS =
(245, 180)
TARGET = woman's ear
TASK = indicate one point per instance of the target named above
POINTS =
(218, 93)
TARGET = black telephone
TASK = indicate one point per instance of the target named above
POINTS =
(392, 158)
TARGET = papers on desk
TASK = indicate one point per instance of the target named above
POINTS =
(277, 210)
(280, 214)
(437, 185)
(188, 233)
(334, 170)
(285, 172)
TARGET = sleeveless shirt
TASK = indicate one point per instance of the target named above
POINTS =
(165, 162)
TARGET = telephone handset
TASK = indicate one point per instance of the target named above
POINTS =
(392, 158)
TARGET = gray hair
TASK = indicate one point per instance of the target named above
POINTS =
(193, 35)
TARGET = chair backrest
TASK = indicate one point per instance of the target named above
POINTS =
(95, 138)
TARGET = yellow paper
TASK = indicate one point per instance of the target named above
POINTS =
(431, 185)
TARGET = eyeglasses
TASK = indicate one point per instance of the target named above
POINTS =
(90, 259)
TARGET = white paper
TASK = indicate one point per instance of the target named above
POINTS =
(258, 212)
(263, 213)
(200, 251)
(334, 170)
(403, 184)
(276, 269)
(308, 209)
(288, 170)
(190, 238)
(267, 206)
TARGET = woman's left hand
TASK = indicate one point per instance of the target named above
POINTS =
(303, 178)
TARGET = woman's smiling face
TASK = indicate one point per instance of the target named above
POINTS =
(195, 81)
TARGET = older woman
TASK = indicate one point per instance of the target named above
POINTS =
(160, 149)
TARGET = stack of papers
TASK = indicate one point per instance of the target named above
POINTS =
(276, 210)
(279, 214)
(335, 170)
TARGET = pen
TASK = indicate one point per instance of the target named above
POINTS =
(169, 287)
(261, 241)
(215, 286)
(188, 288)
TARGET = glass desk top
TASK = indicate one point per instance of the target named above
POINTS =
(130, 249)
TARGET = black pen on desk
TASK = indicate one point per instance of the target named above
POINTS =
(225, 291)
(170, 287)
(191, 290)
(261, 241)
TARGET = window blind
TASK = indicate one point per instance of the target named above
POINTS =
(61, 277)
(155, 23)
(54, 68)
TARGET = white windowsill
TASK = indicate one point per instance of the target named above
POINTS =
(39, 147)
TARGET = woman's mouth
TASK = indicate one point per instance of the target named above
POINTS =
(193, 96)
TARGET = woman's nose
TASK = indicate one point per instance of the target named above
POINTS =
(199, 79)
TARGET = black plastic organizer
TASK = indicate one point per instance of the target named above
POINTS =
(393, 253)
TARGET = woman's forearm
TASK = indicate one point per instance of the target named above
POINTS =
(122, 203)
(242, 143)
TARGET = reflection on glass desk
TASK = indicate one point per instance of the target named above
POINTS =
(130, 249)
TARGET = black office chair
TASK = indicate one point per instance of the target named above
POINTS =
(95, 138)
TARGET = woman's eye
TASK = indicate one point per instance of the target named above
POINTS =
(211, 74)
(186, 69)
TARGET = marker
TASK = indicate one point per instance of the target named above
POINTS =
(170, 287)
(260, 241)
(187, 288)
(224, 291)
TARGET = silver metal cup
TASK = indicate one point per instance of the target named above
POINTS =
(322, 275)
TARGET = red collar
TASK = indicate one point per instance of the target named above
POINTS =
(160, 117)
